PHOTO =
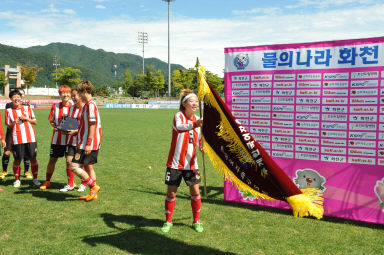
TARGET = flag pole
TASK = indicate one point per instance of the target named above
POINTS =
(202, 142)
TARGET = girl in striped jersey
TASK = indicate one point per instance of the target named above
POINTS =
(75, 113)
(20, 120)
(182, 160)
(59, 139)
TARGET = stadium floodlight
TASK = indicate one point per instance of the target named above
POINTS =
(56, 63)
(169, 63)
(143, 38)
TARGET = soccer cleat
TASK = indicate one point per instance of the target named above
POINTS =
(166, 227)
(198, 227)
(81, 188)
(28, 175)
(45, 185)
(36, 182)
(94, 190)
(85, 197)
(3, 174)
(67, 188)
(17, 184)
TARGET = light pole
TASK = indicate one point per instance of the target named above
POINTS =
(143, 38)
(169, 63)
(56, 63)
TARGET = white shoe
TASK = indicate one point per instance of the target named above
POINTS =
(17, 183)
(81, 188)
(67, 188)
(36, 182)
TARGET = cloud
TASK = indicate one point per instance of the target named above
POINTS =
(69, 11)
(205, 39)
(99, 6)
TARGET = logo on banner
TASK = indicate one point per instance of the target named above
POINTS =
(241, 61)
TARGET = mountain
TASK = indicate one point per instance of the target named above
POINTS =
(101, 61)
(95, 65)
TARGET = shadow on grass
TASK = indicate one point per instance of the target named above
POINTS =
(141, 241)
(214, 192)
(50, 194)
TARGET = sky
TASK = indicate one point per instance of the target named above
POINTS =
(199, 28)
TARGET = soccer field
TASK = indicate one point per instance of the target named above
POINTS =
(127, 217)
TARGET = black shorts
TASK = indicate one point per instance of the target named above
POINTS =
(70, 150)
(81, 158)
(57, 151)
(173, 177)
(8, 140)
(24, 151)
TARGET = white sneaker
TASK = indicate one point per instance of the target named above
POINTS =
(67, 188)
(81, 188)
(36, 182)
(17, 184)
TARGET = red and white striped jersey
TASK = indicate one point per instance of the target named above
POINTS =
(89, 114)
(74, 112)
(22, 131)
(185, 135)
(58, 112)
(2, 137)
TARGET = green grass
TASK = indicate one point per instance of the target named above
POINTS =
(127, 217)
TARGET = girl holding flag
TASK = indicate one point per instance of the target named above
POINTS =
(182, 160)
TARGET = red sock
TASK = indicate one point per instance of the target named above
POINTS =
(48, 176)
(16, 171)
(35, 170)
(71, 177)
(90, 182)
(196, 206)
(84, 182)
(169, 207)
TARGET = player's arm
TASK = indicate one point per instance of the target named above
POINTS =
(91, 133)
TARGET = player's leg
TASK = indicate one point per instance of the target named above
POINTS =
(192, 179)
(31, 154)
(27, 164)
(172, 180)
(7, 153)
(56, 152)
(70, 152)
(18, 154)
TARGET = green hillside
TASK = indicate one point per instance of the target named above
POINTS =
(101, 61)
(95, 65)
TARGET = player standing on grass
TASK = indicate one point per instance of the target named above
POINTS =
(20, 120)
(74, 112)
(182, 160)
(59, 139)
(88, 140)
(8, 147)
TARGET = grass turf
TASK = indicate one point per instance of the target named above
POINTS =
(127, 217)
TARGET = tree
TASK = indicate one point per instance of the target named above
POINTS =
(103, 91)
(128, 81)
(3, 80)
(216, 82)
(29, 74)
(158, 82)
(67, 75)
(138, 85)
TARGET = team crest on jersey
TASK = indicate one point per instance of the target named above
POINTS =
(77, 156)
(241, 61)
(197, 175)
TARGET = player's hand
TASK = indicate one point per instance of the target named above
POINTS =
(3, 144)
(201, 148)
(72, 132)
(199, 122)
(88, 149)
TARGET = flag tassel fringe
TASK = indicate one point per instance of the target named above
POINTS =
(223, 170)
(309, 203)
